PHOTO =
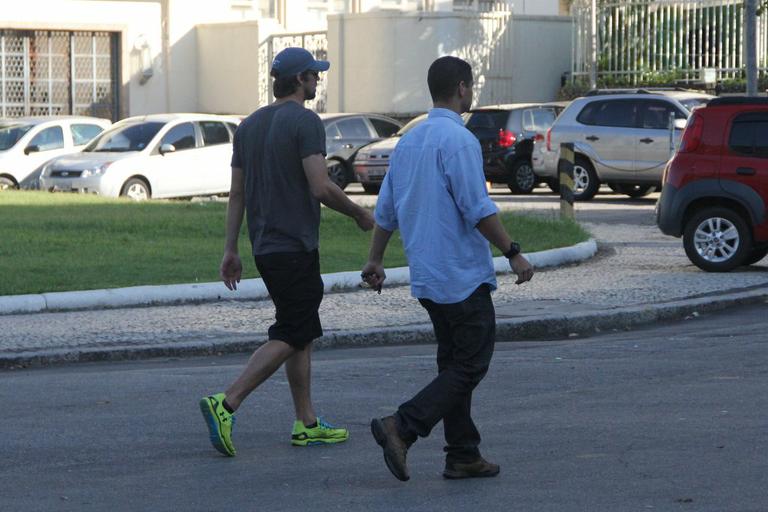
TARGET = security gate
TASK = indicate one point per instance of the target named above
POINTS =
(314, 42)
(57, 72)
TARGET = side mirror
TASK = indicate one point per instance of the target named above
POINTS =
(31, 149)
(680, 124)
(167, 148)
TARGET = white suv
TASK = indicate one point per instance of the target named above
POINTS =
(159, 155)
(26, 143)
(622, 140)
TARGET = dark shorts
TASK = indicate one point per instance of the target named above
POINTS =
(296, 288)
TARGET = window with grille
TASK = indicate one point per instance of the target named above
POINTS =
(46, 72)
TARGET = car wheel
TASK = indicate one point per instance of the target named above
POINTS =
(632, 191)
(136, 189)
(338, 172)
(585, 180)
(7, 184)
(756, 255)
(717, 239)
(371, 189)
(522, 179)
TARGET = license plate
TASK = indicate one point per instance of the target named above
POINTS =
(64, 187)
(376, 173)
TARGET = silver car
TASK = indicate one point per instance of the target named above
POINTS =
(372, 161)
(345, 134)
(622, 140)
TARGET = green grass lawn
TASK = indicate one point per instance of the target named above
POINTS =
(58, 242)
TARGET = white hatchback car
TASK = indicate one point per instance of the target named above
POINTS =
(158, 155)
(26, 143)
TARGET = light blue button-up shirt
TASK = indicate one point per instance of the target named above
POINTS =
(434, 192)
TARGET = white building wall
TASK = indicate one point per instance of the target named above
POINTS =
(379, 58)
(135, 21)
(228, 73)
(542, 53)
(536, 7)
(379, 61)
(183, 17)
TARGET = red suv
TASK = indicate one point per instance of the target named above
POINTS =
(716, 186)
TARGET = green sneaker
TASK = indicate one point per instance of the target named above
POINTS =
(220, 423)
(323, 433)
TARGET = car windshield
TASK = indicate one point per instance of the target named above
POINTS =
(494, 119)
(691, 103)
(538, 119)
(411, 124)
(128, 137)
(10, 133)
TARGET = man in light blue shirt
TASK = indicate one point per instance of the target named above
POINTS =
(434, 192)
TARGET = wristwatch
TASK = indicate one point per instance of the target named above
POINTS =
(514, 250)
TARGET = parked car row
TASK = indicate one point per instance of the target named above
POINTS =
(506, 134)
(621, 138)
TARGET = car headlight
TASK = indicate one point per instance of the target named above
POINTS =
(362, 156)
(96, 171)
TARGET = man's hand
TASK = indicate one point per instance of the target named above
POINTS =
(522, 268)
(365, 220)
(231, 270)
(373, 274)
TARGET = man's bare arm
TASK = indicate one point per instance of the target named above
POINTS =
(231, 268)
(235, 209)
(373, 271)
(328, 193)
(493, 230)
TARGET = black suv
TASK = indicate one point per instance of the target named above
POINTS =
(506, 134)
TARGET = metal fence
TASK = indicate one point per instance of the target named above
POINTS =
(315, 42)
(640, 38)
(57, 72)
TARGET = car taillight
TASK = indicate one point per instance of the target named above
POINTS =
(506, 138)
(692, 135)
(549, 139)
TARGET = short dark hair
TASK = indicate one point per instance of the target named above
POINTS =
(286, 85)
(444, 76)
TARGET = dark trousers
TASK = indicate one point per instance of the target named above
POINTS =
(465, 333)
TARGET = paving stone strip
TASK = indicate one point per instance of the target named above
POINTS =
(639, 276)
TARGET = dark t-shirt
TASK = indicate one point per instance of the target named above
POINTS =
(269, 146)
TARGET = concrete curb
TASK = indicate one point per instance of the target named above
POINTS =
(248, 289)
(548, 327)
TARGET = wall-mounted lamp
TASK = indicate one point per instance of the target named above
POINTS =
(144, 56)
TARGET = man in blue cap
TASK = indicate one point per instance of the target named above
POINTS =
(279, 179)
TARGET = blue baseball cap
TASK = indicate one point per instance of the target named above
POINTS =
(293, 61)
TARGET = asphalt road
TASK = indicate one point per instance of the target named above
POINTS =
(669, 418)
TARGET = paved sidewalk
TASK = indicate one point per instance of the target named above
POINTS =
(638, 276)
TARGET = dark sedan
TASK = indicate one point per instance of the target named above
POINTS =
(506, 134)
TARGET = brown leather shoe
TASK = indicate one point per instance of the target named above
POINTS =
(384, 430)
(480, 468)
